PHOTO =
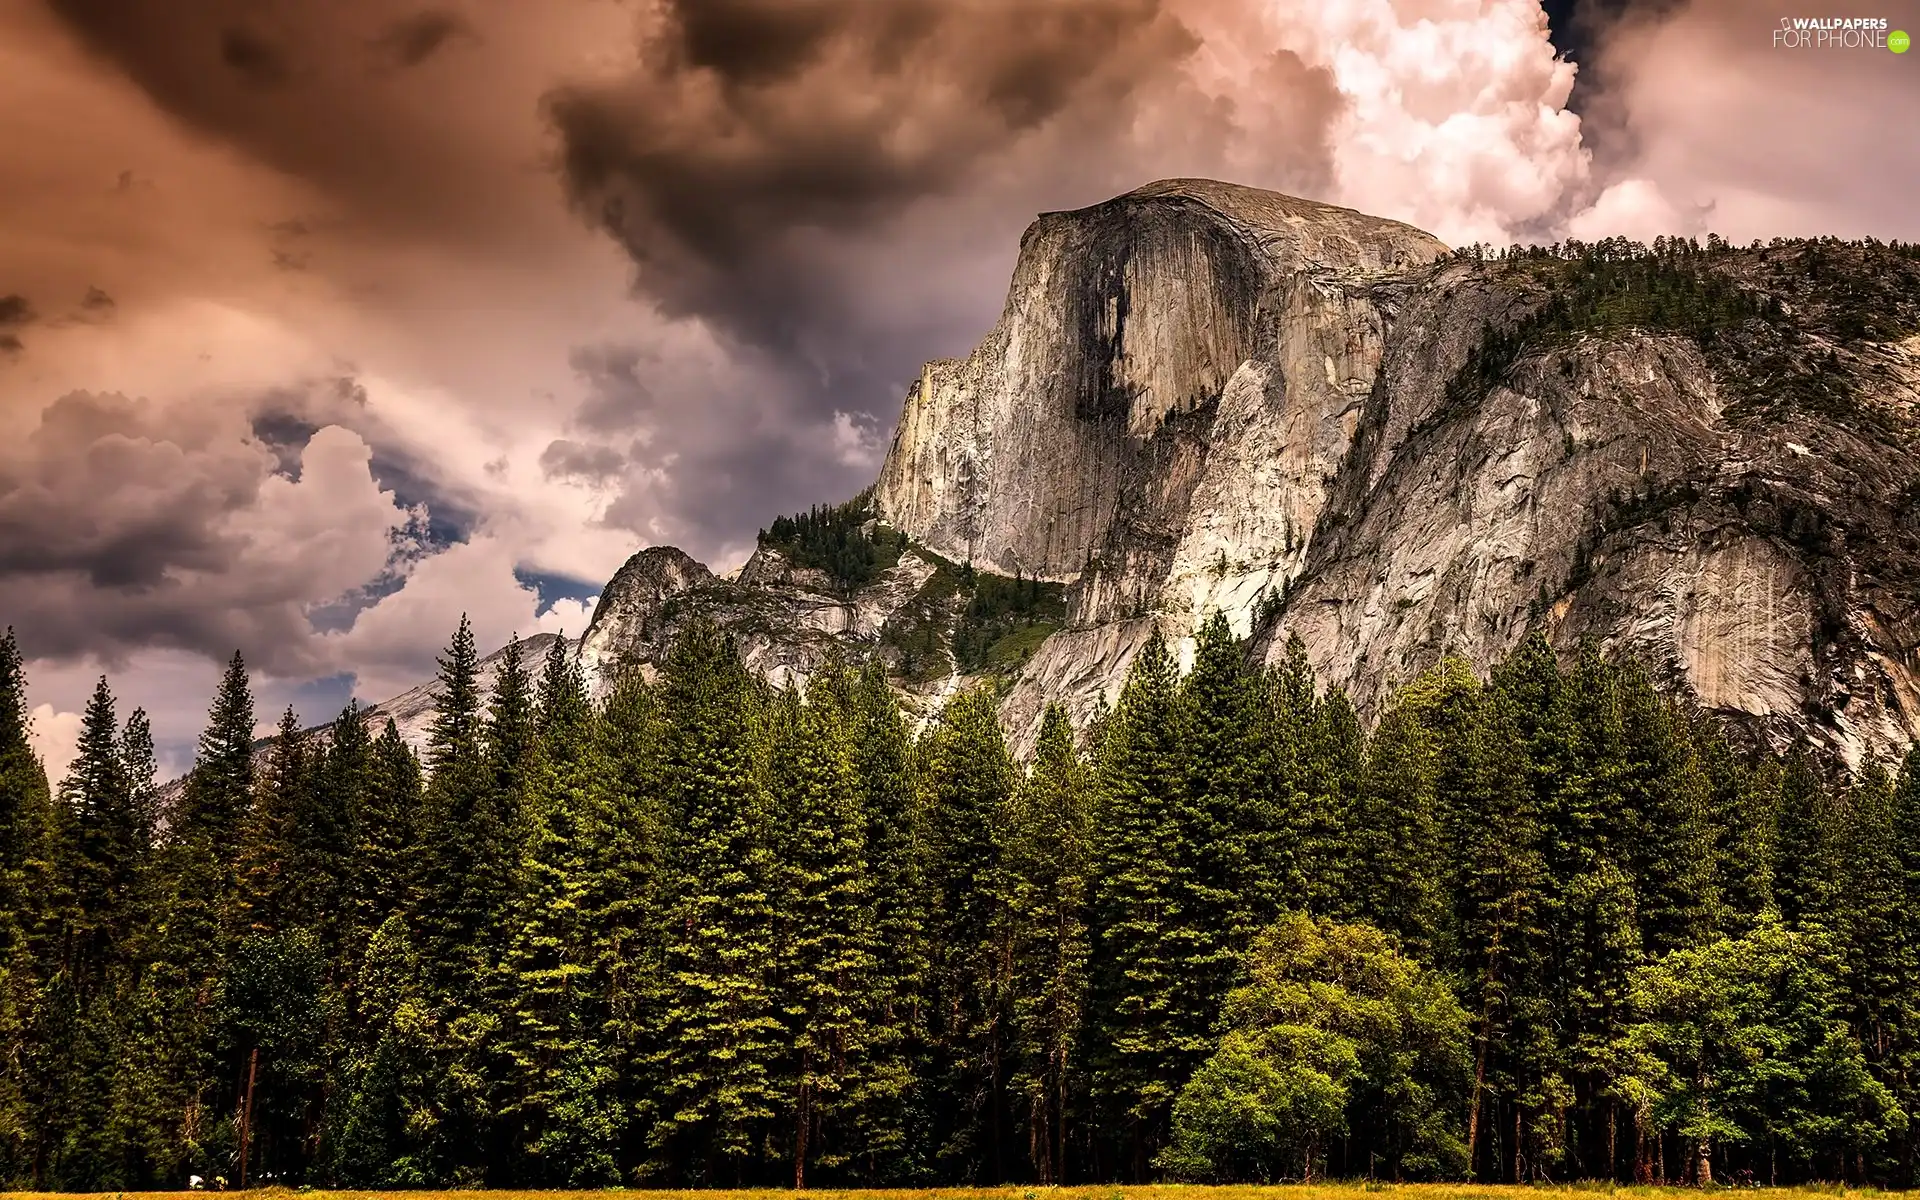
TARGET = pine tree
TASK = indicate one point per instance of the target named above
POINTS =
(265, 903)
(321, 866)
(220, 789)
(454, 881)
(1047, 864)
(1336, 763)
(142, 770)
(889, 1096)
(102, 847)
(826, 952)
(174, 1056)
(1400, 866)
(1147, 1028)
(626, 834)
(969, 780)
(1223, 805)
(562, 1102)
(1808, 848)
(1742, 802)
(386, 830)
(1291, 825)
(1904, 1054)
(1500, 840)
(720, 1029)
(26, 869)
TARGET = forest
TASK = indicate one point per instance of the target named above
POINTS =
(1542, 925)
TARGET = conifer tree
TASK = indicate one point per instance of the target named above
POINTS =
(720, 1029)
(175, 1057)
(142, 770)
(1336, 762)
(826, 951)
(969, 780)
(1291, 825)
(1223, 808)
(1400, 867)
(220, 789)
(264, 903)
(452, 887)
(1501, 903)
(889, 1095)
(26, 821)
(321, 864)
(26, 813)
(103, 846)
(1047, 864)
(626, 833)
(1808, 846)
(562, 1102)
(1147, 1029)
(386, 830)
(1742, 802)
(1904, 1055)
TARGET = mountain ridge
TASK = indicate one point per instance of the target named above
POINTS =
(1203, 397)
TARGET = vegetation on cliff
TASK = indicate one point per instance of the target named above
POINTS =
(1774, 319)
(844, 540)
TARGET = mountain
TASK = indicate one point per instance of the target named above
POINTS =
(1327, 425)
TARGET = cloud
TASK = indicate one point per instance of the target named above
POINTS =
(414, 39)
(126, 525)
(1697, 120)
(55, 738)
(391, 646)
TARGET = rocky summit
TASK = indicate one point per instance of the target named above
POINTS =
(1329, 426)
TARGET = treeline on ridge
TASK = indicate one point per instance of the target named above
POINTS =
(1541, 926)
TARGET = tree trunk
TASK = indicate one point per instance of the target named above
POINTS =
(246, 1116)
(1473, 1106)
(803, 1117)
(1519, 1158)
(1613, 1138)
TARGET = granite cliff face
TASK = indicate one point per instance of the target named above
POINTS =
(1203, 397)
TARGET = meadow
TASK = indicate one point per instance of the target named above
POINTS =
(1334, 1190)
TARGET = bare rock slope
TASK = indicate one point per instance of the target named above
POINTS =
(1204, 397)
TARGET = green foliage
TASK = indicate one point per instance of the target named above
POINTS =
(1543, 925)
(1005, 620)
(1773, 319)
(1740, 1041)
(1335, 1032)
(842, 540)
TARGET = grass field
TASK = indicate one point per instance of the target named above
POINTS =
(1318, 1191)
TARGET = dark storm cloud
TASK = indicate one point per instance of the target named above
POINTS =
(414, 39)
(126, 525)
(836, 189)
(257, 60)
(90, 449)
(14, 312)
(750, 121)
(340, 94)
(564, 459)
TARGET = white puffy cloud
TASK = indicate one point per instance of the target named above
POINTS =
(1454, 116)
(55, 738)
(1705, 124)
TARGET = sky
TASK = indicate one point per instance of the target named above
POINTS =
(325, 321)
